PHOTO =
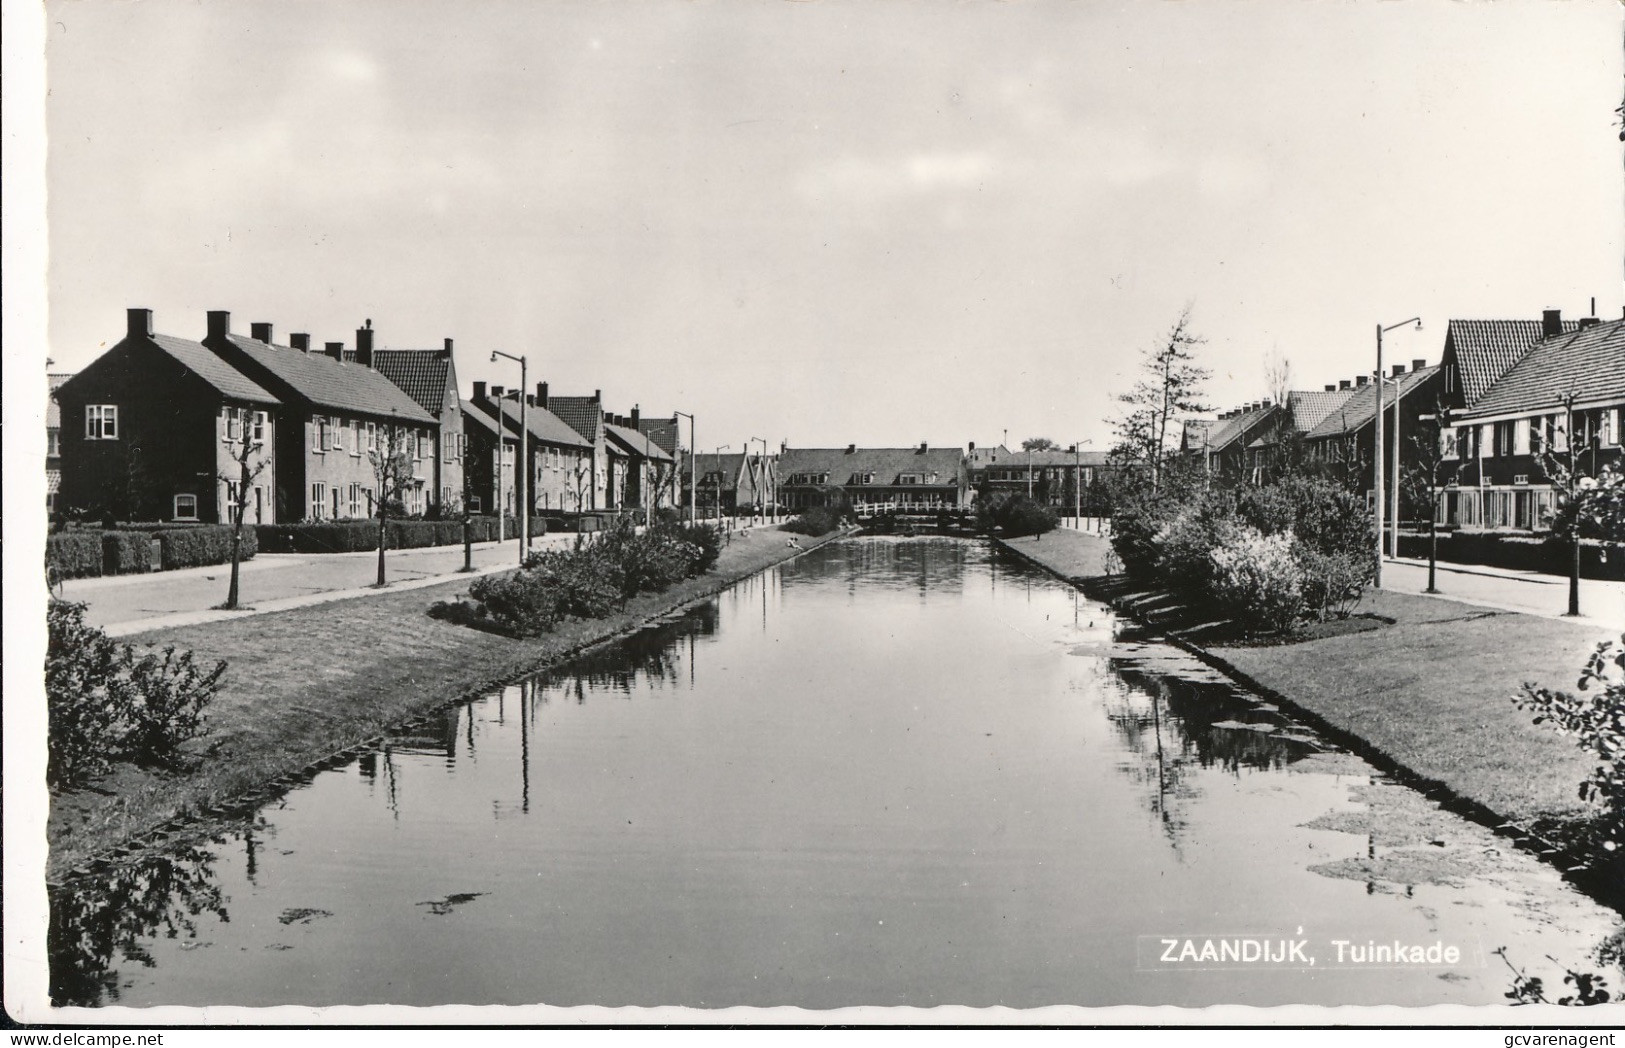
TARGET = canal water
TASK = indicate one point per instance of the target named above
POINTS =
(890, 772)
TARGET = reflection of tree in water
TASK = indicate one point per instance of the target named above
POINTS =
(93, 920)
(1143, 721)
(654, 654)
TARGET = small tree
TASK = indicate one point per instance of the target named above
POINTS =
(581, 480)
(1171, 384)
(243, 474)
(1572, 487)
(1038, 444)
(391, 462)
(1431, 468)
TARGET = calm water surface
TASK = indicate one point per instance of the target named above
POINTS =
(891, 772)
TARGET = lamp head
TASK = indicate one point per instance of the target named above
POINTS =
(1419, 323)
(493, 356)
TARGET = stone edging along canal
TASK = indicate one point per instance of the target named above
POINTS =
(206, 813)
(1574, 865)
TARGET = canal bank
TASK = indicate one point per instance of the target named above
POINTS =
(308, 684)
(1427, 693)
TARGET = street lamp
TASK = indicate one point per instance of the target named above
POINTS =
(1077, 484)
(1442, 423)
(762, 462)
(717, 454)
(1376, 464)
(521, 487)
(693, 470)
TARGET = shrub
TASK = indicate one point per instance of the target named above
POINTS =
(707, 542)
(1021, 516)
(105, 704)
(74, 554)
(818, 520)
(1258, 575)
(126, 552)
(1598, 722)
(523, 603)
(199, 546)
(1141, 515)
(1333, 582)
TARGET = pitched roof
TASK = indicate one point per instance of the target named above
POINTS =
(1227, 431)
(421, 374)
(1192, 435)
(663, 431)
(1310, 408)
(472, 413)
(1355, 413)
(1487, 349)
(729, 465)
(885, 463)
(196, 358)
(1589, 362)
(981, 458)
(583, 414)
(544, 425)
(636, 443)
(326, 383)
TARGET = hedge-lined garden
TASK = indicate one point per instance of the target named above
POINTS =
(1543, 553)
(355, 536)
(590, 581)
(83, 553)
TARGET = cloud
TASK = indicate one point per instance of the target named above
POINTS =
(898, 176)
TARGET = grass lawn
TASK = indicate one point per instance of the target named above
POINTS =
(307, 683)
(1429, 688)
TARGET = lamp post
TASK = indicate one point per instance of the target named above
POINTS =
(521, 487)
(762, 463)
(693, 471)
(1077, 484)
(1442, 423)
(1376, 459)
(717, 454)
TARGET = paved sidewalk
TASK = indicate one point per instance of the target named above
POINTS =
(1602, 602)
(127, 604)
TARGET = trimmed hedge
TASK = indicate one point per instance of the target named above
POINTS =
(197, 546)
(126, 552)
(354, 536)
(74, 554)
(1518, 553)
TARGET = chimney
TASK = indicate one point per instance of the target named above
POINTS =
(1586, 322)
(1362, 380)
(1264, 403)
(530, 400)
(1551, 322)
(260, 331)
(784, 445)
(479, 392)
(973, 446)
(1345, 384)
(541, 394)
(336, 351)
(922, 447)
(138, 323)
(363, 345)
(1419, 363)
(598, 394)
(496, 392)
(1399, 369)
(447, 351)
(219, 323)
(300, 340)
(1331, 387)
(851, 449)
(636, 412)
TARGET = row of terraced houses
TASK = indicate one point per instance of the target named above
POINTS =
(154, 428)
(1504, 400)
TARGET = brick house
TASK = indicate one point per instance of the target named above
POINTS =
(1346, 437)
(1057, 474)
(490, 478)
(585, 415)
(559, 457)
(335, 413)
(644, 474)
(151, 426)
(916, 480)
(429, 377)
(1496, 451)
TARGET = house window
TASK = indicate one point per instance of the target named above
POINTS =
(318, 501)
(448, 446)
(53, 442)
(322, 441)
(185, 507)
(1467, 441)
(1610, 427)
(355, 438)
(336, 430)
(101, 421)
(473, 503)
(908, 478)
(234, 423)
(372, 436)
(338, 503)
(1520, 436)
(420, 448)
(231, 502)
(355, 500)
(445, 497)
(259, 427)
(1503, 439)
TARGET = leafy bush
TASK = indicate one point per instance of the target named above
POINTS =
(1021, 516)
(1598, 723)
(818, 520)
(74, 554)
(522, 603)
(198, 546)
(707, 541)
(1258, 574)
(105, 704)
(1141, 517)
(1333, 582)
(126, 552)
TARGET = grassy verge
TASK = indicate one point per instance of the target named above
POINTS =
(1427, 686)
(307, 683)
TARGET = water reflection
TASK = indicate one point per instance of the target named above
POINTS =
(892, 771)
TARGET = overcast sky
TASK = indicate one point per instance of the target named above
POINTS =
(834, 222)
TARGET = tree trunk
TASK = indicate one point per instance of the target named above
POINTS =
(1433, 544)
(236, 558)
(1574, 572)
(383, 535)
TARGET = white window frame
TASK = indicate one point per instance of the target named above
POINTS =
(318, 500)
(233, 423)
(53, 442)
(1520, 436)
(372, 436)
(337, 433)
(355, 500)
(260, 419)
(176, 506)
(101, 421)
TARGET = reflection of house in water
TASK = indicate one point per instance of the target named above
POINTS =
(654, 654)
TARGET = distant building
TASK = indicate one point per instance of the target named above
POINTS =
(922, 479)
(488, 456)
(1346, 437)
(643, 474)
(53, 440)
(1060, 477)
(585, 415)
(429, 377)
(560, 459)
